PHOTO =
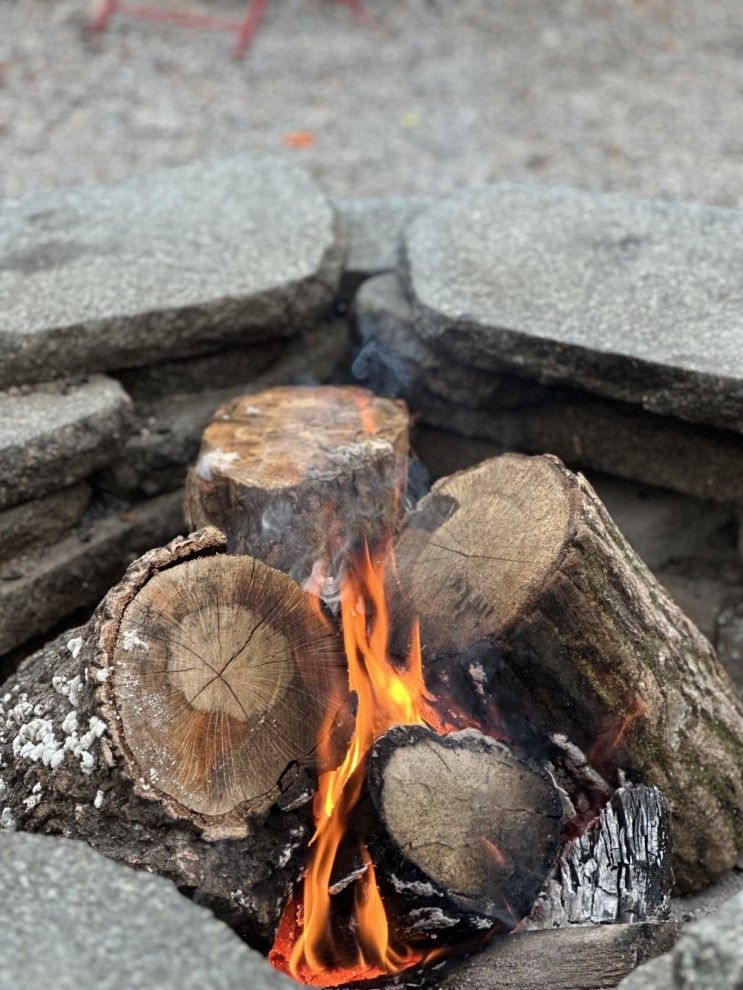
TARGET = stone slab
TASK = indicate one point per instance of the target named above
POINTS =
(729, 642)
(372, 229)
(206, 372)
(162, 265)
(515, 413)
(638, 300)
(168, 436)
(72, 920)
(707, 956)
(39, 589)
(54, 435)
(43, 521)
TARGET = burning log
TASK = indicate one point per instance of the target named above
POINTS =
(470, 831)
(297, 476)
(194, 699)
(530, 599)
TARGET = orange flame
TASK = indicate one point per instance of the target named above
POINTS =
(387, 696)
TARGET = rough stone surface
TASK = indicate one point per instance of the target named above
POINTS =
(169, 430)
(638, 300)
(198, 374)
(162, 265)
(704, 587)
(41, 522)
(707, 956)
(372, 231)
(520, 414)
(41, 588)
(58, 433)
(72, 920)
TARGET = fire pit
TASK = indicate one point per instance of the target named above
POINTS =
(388, 741)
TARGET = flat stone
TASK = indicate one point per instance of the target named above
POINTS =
(703, 589)
(39, 589)
(54, 435)
(638, 300)
(206, 372)
(43, 521)
(170, 263)
(372, 229)
(707, 956)
(72, 920)
(168, 437)
(520, 414)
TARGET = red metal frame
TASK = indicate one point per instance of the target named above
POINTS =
(245, 29)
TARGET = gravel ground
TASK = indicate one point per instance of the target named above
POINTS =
(640, 95)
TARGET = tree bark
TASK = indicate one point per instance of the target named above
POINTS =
(172, 730)
(469, 831)
(299, 476)
(529, 596)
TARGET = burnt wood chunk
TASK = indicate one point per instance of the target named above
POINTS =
(617, 870)
(297, 476)
(470, 831)
(528, 593)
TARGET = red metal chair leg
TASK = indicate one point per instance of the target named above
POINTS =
(248, 27)
(104, 15)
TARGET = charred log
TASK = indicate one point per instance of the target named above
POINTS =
(618, 870)
(469, 831)
(164, 732)
(298, 476)
(530, 598)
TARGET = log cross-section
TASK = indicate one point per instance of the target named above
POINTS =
(219, 675)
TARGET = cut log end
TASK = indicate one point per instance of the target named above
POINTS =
(219, 675)
(472, 828)
(297, 475)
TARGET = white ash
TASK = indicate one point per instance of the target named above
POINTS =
(424, 919)
(98, 799)
(297, 835)
(214, 460)
(3, 787)
(132, 641)
(7, 821)
(102, 675)
(71, 689)
(347, 880)
(417, 887)
(478, 677)
(74, 646)
(34, 798)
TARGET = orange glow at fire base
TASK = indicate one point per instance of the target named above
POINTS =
(386, 696)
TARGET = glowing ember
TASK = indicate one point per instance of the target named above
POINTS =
(306, 945)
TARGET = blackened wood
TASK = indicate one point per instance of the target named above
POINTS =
(527, 591)
(299, 476)
(618, 870)
(470, 830)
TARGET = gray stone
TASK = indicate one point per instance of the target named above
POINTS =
(709, 901)
(42, 522)
(520, 414)
(72, 920)
(372, 230)
(660, 525)
(639, 300)
(58, 433)
(158, 453)
(703, 589)
(39, 589)
(207, 372)
(707, 956)
(729, 641)
(162, 265)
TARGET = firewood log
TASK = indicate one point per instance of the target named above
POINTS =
(469, 832)
(528, 593)
(166, 731)
(298, 476)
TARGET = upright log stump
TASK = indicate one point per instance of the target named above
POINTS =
(527, 591)
(299, 476)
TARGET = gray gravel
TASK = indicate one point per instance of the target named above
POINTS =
(639, 95)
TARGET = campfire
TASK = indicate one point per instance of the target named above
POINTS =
(391, 735)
